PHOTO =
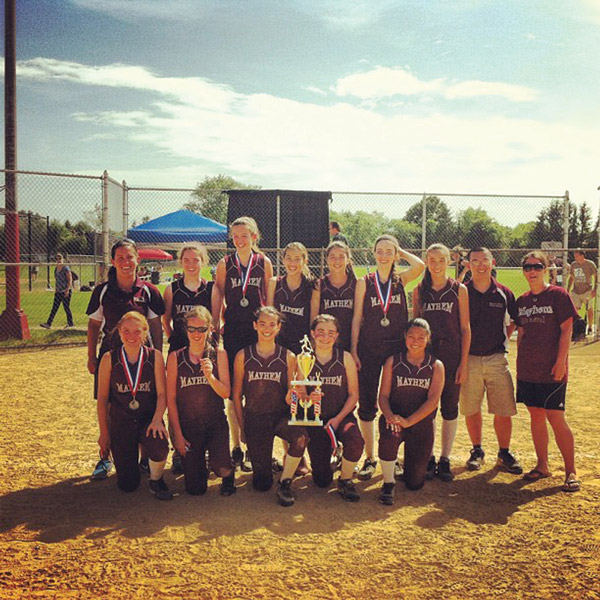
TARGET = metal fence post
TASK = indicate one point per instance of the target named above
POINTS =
(566, 231)
(29, 247)
(278, 231)
(105, 223)
(597, 311)
(424, 224)
(125, 208)
(48, 252)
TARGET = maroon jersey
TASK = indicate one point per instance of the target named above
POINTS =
(440, 309)
(256, 295)
(374, 338)
(265, 381)
(339, 302)
(185, 300)
(120, 391)
(410, 385)
(490, 314)
(197, 402)
(540, 316)
(295, 308)
(335, 384)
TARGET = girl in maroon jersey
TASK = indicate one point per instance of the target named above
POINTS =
(262, 373)
(338, 396)
(131, 404)
(197, 383)
(291, 294)
(444, 304)
(545, 323)
(183, 294)
(334, 293)
(241, 284)
(411, 386)
(380, 315)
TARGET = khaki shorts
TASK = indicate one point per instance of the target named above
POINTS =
(489, 375)
(580, 299)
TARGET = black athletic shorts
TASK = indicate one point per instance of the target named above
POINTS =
(550, 396)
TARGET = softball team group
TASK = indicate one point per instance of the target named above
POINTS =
(232, 359)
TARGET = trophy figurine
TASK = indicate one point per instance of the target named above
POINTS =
(306, 362)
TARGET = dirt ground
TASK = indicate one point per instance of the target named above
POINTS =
(485, 535)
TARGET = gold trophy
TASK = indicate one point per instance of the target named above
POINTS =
(305, 361)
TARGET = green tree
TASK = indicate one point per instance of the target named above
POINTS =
(477, 228)
(440, 226)
(209, 200)
(407, 234)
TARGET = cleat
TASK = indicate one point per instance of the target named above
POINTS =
(476, 459)
(159, 489)
(509, 463)
(431, 469)
(386, 496)
(347, 490)
(144, 466)
(228, 485)
(368, 469)
(443, 470)
(102, 469)
(176, 464)
(46, 325)
(285, 495)
(276, 465)
(398, 471)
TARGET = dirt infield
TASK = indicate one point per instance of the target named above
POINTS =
(485, 535)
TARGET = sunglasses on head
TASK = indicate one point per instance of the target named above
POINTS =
(191, 329)
(533, 267)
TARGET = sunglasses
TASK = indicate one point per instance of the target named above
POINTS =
(533, 267)
(191, 329)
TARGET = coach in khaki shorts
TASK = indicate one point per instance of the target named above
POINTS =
(582, 280)
(492, 311)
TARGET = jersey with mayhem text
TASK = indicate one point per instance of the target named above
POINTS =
(197, 402)
(410, 385)
(374, 338)
(235, 313)
(265, 381)
(540, 316)
(335, 384)
(295, 308)
(120, 391)
(339, 302)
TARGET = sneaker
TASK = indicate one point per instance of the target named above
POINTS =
(159, 488)
(476, 459)
(509, 463)
(144, 466)
(246, 466)
(228, 485)
(431, 469)
(368, 469)
(347, 490)
(176, 464)
(386, 496)
(240, 461)
(398, 471)
(102, 469)
(285, 495)
(67, 327)
(443, 470)
(45, 325)
(276, 465)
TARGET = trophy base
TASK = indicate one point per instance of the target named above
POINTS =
(315, 382)
(306, 422)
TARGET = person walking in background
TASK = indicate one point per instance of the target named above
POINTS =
(63, 290)
(545, 323)
(336, 234)
(492, 315)
(582, 284)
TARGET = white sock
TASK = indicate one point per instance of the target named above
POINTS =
(156, 469)
(387, 468)
(448, 434)
(234, 426)
(347, 469)
(367, 428)
(290, 465)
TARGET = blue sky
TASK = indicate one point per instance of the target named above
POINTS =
(440, 96)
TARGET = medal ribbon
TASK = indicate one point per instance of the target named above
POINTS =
(385, 304)
(133, 386)
(246, 279)
(332, 438)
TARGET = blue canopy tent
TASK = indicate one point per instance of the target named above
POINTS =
(177, 228)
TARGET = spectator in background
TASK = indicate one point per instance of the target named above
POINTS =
(63, 289)
(582, 284)
(462, 273)
(336, 233)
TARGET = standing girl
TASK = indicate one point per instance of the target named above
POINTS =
(197, 383)
(241, 282)
(380, 316)
(262, 374)
(411, 386)
(545, 322)
(339, 396)
(63, 289)
(291, 294)
(131, 404)
(334, 293)
(444, 303)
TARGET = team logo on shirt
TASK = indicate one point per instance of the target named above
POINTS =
(525, 311)
(264, 376)
(195, 380)
(412, 382)
(237, 282)
(328, 304)
(438, 306)
(396, 299)
(124, 388)
(291, 310)
(336, 380)
(183, 308)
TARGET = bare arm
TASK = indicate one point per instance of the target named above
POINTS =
(385, 389)
(291, 371)
(268, 270)
(180, 443)
(166, 318)
(465, 334)
(416, 307)
(238, 381)
(221, 386)
(157, 427)
(102, 406)
(357, 317)
(415, 267)
(156, 333)
(93, 332)
(315, 301)
(216, 308)
(352, 399)
(271, 291)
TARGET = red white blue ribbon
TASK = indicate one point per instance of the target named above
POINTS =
(245, 280)
(133, 385)
(332, 437)
(385, 303)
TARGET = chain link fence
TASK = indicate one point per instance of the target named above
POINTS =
(80, 216)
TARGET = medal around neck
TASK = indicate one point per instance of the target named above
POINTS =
(306, 362)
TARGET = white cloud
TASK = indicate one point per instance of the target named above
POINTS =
(133, 10)
(346, 15)
(385, 82)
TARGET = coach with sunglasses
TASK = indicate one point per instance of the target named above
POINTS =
(545, 320)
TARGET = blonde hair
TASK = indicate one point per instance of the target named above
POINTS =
(198, 312)
(249, 223)
(196, 247)
(133, 316)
